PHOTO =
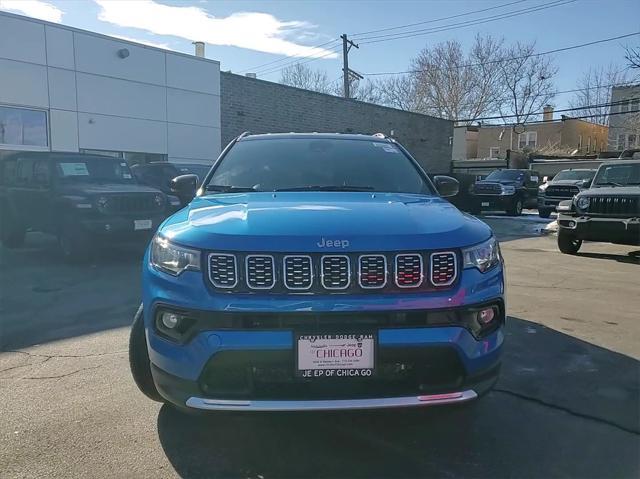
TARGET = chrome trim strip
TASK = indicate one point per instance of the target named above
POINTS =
(395, 264)
(322, 271)
(455, 268)
(235, 267)
(386, 270)
(331, 404)
(273, 270)
(284, 271)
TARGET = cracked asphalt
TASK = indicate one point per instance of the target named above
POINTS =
(567, 403)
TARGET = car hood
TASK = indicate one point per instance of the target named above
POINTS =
(323, 221)
(612, 191)
(106, 189)
(565, 183)
(499, 182)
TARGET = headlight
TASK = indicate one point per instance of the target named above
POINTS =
(158, 200)
(508, 190)
(583, 202)
(173, 259)
(483, 256)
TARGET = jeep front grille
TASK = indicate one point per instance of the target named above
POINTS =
(443, 268)
(409, 272)
(372, 271)
(315, 273)
(131, 203)
(335, 272)
(614, 205)
(298, 272)
(223, 270)
(260, 272)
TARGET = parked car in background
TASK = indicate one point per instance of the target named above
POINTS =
(507, 190)
(82, 199)
(609, 211)
(564, 186)
(159, 175)
(316, 272)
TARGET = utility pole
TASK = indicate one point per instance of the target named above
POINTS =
(346, 71)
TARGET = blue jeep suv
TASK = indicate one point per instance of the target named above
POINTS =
(314, 272)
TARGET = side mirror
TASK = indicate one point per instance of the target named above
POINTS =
(587, 183)
(446, 185)
(184, 187)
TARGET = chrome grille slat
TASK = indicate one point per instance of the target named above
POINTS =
(297, 272)
(443, 268)
(223, 270)
(372, 271)
(614, 205)
(409, 271)
(335, 271)
(260, 271)
(562, 191)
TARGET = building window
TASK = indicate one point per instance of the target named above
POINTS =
(624, 106)
(634, 105)
(621, 142)
(528, 139)
(23, 127)
(494, 152)
(628, 141)
(632, 140)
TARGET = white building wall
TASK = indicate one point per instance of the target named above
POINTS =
(152, 101)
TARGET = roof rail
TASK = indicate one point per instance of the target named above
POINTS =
(243, 134)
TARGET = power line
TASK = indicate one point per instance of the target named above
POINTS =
(453, 26)
(288, 57)
(587, 107)
(269, 71)
(548, 52)
(437, 19)
(596, 87)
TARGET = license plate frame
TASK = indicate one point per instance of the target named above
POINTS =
(141, 225)
(484, 203)
(336, 367)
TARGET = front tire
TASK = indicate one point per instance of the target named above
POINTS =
(516, 208)
(139, 362)
(567, 243)
(544, 213)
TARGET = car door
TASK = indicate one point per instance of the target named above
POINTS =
(41, 196)
(532, 181)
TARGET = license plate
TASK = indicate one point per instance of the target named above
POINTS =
(142, 224)
(335, 355)
(485, 203)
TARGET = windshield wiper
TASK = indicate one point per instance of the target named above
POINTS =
(327, 188)
(229, 189)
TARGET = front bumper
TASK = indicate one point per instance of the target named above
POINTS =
(458, 367)
(121, 228)
(609, 230)
(494, 202)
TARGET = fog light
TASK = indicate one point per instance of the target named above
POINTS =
(486, 316)
(170, 320)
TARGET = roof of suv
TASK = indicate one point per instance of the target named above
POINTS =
(334, 136)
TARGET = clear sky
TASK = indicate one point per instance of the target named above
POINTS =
(245, 34)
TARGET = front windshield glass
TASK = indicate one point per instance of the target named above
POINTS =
(618, 175)
(574, 175)
(318, 164)
(93, 170)
(511, 175)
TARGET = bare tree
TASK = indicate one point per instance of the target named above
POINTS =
(302, 76)
(400, 92)
(363, 90)
(527, 81)
(447, 83)
(632, 56)
(595, 89)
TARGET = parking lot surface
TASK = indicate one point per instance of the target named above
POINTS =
(567, 404)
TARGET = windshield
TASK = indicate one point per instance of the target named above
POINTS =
(574, 175)
(618, 175)
(93, 170)
(511, 175)
(317, 164)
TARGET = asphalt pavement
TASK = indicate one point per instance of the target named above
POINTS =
(567, 403)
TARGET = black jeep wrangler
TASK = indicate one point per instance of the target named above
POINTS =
(82, 199)
(506, 190)
(609, 211)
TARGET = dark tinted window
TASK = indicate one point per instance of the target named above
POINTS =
(41, 173)
(84, 169)
(510, 175)
(9, 171)
(275, 164)
(574, 175)
(25, 171)
(618, 175)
